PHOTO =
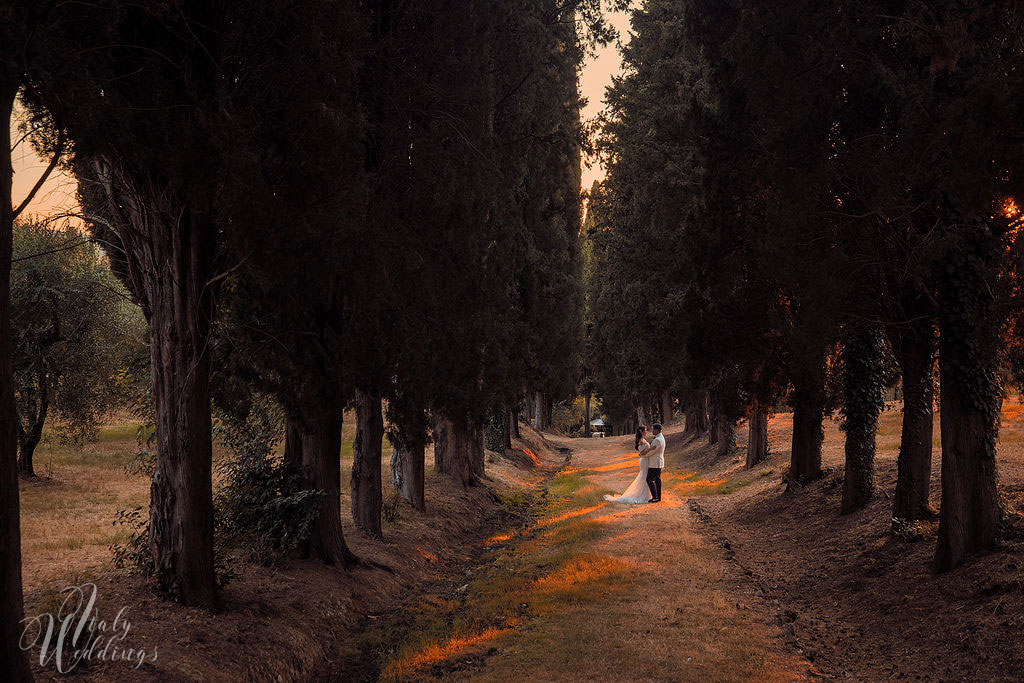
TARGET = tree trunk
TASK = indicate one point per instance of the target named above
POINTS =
(292, 460)
(586, 414)
(666, 407)
(26, 449)
(808, 415)
(366, 455)
(170, 250)
(455, 450)
(549, 405)
(181, 495)
(863, 400)
(510, 428)
(690, 415)
(970, 515)
(515, 424)
(757, 437)
(13, 662)
(408, 446)
(916, 350)
(538, 411)
(714, 422)
(320, 433)
(292, 448)
(27, 442)
(475, 442)
(641, 419)
(726, 437)
(702, 412)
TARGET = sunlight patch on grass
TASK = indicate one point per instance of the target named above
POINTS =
(568, 515)
(575, 580)
(402, 669)
(548, 567)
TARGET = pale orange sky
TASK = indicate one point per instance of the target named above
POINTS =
(58, 195)
(597, 75)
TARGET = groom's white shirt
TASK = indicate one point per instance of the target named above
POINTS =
(655, 454)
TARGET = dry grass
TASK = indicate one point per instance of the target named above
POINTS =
(285, 622)
(856, 587)
(539, 572)
(592, 589)
(67, 513)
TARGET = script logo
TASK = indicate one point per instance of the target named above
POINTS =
(76, 634)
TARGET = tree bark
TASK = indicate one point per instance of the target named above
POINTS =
(970, 514)
(538, 411)
(455, 450)
(171, 255)
(367, 499)
(726, 437)
(13, 662)
(26, 450)
(515, 424)
(475, 442)
(702, 412)
(586, 414)
(320, 434)
(181, 495)
(757, 437)
(714, 422)
(666, 407)
(863, 396)
(916, 350)
(808, 415)
(641, 419)
(408, 444)
(292, 448)
(27, 441)
(690, 416)
(697, 416)
(510, 428)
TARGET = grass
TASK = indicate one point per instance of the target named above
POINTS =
(720, 488)
(542, 571)
(69, 509)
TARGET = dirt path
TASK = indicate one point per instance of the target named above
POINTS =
(593, 589)
(689, 615)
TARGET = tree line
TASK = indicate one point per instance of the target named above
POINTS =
(807, 202)
(334, 204)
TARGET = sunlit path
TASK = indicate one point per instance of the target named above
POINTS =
(594, 589)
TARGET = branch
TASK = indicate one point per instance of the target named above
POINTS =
(46, 174)
(66, 247)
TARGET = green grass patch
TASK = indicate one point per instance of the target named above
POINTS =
(541, 572)
(722, 489)
(567, 484)
(127, 431)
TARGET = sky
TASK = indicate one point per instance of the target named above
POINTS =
(58, 194)
(597, 75)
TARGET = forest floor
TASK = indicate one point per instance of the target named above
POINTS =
(284, 621)
(535, 576)
(729, 578)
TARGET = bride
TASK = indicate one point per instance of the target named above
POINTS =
(638, 491)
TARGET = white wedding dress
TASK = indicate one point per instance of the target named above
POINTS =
(638, 491)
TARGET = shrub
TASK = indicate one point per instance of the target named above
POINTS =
(260, 505)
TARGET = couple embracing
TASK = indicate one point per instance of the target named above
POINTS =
(646, 488)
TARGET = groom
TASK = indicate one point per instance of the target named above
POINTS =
(656, 460)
